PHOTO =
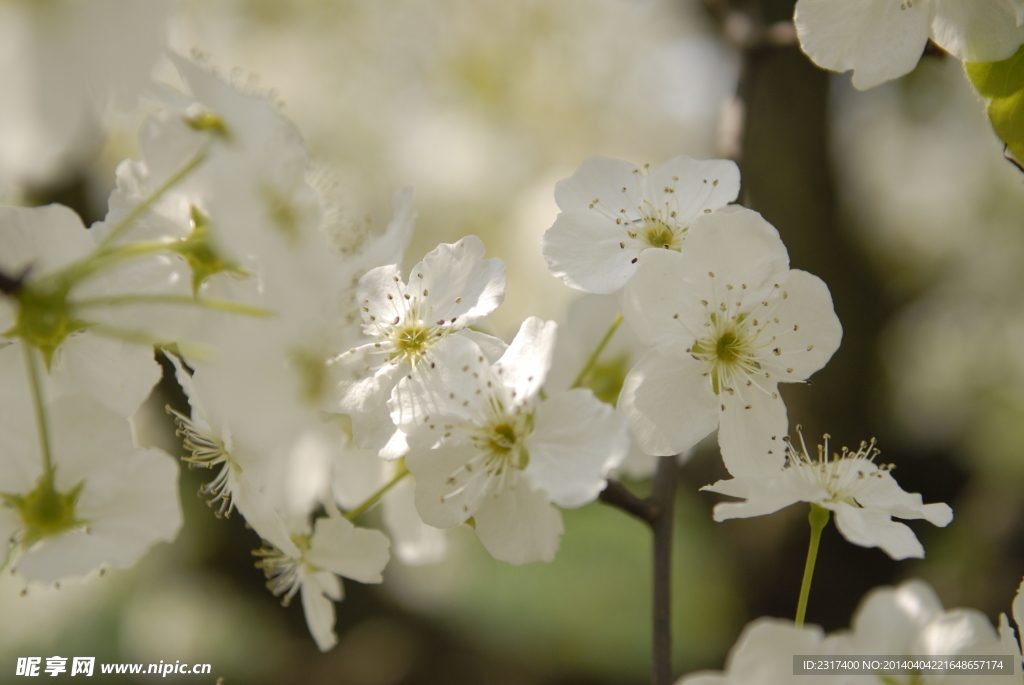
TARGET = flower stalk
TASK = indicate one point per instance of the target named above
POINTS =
(376, 496)
(818, 519)
(589, 366)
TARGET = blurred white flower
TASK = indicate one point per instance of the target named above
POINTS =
(729, 321)
(909, 620)
(1010, 639)
(488, 448)
(763, 655)
(863, 495)
(612, 212)
(883, 39)
(103, 504)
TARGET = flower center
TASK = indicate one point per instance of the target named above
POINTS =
(411, 340)
(658, 233)
(843, 475)
(729, 349)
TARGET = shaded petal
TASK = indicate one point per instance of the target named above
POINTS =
(413, 541)
(590, 251)
(519, 525)
(340, 547)
(658, 302)
(752, 425)
(454, 280)
(690, 187)
(524, 366)
(319, 611)
(874, 528)
(888, 617)
(602, 179)
(365, 384)
(878, 39)
(976, 31)
(576, 441)
(669, 403)
(886, 494)
(761, 496)
(446, 494)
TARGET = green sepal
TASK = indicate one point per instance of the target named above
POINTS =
(44, 512)
(198, 250)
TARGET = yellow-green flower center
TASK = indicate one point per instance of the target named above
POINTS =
(657, 233)
(729, 349)
(44, 512)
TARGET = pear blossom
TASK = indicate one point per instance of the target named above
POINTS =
(729, 320)
(612, 213)
(452, 288)
(883, 39)
(310, 563)
(864, 496)
(763, 655)
(483, 445)
(909, 620)
(103, 504)
(1011, 640)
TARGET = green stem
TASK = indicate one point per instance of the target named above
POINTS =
(140, 209)
(99, 260)
(375, 497)
(195, 351)
(589, 366)
(818, 519)
(159, 298)
(40, 409)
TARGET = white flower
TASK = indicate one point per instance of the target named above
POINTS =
(105, 502)
(884, 39)
(612, 212)
(729, 321)
(450, 289)
(501, 455)
(312, 562)
(909, 620)
(763, 655)
(863, 495)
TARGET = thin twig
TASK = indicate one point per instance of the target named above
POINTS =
(615, 494)
(663, 497)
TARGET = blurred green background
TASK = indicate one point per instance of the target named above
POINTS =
(899, 198)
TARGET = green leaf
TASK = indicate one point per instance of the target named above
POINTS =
(1002, 86)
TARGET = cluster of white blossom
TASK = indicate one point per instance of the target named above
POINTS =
(322, 380)
(884, 39)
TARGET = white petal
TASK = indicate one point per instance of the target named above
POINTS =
(887, 618)
(372, 430)
(874, 528)
(976, 30)
(414, 542)
(446, 495)
(958, 631)
(801, 328)
(878, 39)
(372, 293)
(118, 374)
(320, 616)
(357, 474)
(340, 547)
(762, 496)
(752, 425)
(455, 281)
(524, 366)
(740, 248)
(365, 384)
(43, 238)
(669, 403)
(454, 369)
(576, 441)
(491, 347)
(659, 304)
(886, 494)
(603, 179)
(519, 526)
(697, 185)
(589, 251)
